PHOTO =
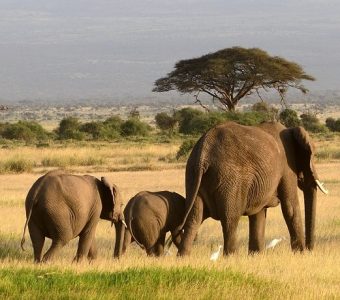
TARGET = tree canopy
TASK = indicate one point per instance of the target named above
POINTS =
(230, 74)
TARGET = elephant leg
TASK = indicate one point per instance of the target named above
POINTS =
(38, 240)
(53, 250)
(291, 212)
(93, 251)
(257, 224)
(176, 238)
(159, 246)
(86, 238)
(229, 226)
(191, 227)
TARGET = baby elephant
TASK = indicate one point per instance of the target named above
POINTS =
(149, 216)
(62, 206)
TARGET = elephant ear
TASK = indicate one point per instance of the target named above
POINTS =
(112, 190)
(305, 150)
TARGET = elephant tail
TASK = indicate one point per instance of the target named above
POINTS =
(193, 179)
(26, 223)
(133, 236)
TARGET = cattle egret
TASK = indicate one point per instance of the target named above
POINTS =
(216, 254)
(274, 242)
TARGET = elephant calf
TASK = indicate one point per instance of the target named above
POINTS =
(62, 206)
(149, 216)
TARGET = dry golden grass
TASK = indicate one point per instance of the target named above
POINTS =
(302, 276)
(91, 157)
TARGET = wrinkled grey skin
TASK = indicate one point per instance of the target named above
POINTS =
(62, 206)
(149, 216)
(242, 170)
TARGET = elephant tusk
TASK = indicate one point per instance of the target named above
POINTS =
(321, 187)
(123, 221)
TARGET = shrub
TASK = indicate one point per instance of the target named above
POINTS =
(185, 148)
(311, 123)
(165, 122)
(93, 129)
(289, 118)
(185, 117)
(24, 130)
(332, 124)
(69, 128)
(112, 127)
(248, 118)
(192, 121)
(135, 127)
(16, 165)
(269, 112)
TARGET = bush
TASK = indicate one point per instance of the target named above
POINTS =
(69, 128)
(332, 124)
(192, 121)
(165, 122)
(18, 165)
(112, 127)
(311, 123)
(185, 148)
(289, 118)
(269, 112)
(248, 118)
(134, 127)
(28, 131)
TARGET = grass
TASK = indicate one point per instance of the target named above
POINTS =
(148, 283)
(275, 274)
(94, 156)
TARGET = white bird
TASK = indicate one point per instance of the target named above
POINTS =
(216, 254)
(274, 242)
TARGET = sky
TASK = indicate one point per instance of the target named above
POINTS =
(116, 49)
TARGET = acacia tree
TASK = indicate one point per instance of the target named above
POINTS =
(230, 74)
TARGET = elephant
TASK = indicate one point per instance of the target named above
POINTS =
(62, 206)
(149, 216)
(241, 170)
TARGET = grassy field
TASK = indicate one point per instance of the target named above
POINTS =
(275, 274)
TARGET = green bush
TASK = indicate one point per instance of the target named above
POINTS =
(332, 124)
(112, 127)
(289, 118)
(28, 131)
(269, 112)
(185, 148)
(135, 127)
(311, 123)
(69, 128)
(247, 118)
(165, 122)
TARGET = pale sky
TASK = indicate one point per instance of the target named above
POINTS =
(82, 49)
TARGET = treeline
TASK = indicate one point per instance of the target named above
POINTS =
(186, 121)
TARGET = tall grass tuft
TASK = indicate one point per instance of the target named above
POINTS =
(16, 165)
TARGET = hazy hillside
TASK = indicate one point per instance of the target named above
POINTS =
(80, 49)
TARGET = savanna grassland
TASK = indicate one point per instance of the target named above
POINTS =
(276, 274)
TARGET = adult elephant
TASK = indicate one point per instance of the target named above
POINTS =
(242, 170)
(62, 206)
(149, 216)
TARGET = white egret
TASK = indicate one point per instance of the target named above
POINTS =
(274, 242)
(216, 254)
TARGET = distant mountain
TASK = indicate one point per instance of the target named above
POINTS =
(65, 51)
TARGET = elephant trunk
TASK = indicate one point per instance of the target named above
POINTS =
(310, 212)
(120, 232)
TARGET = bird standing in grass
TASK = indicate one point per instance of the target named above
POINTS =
(274, 242)
(216, 254)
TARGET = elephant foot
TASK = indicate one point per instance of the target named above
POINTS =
(297, 246)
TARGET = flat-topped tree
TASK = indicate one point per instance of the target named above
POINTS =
(230, 74)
